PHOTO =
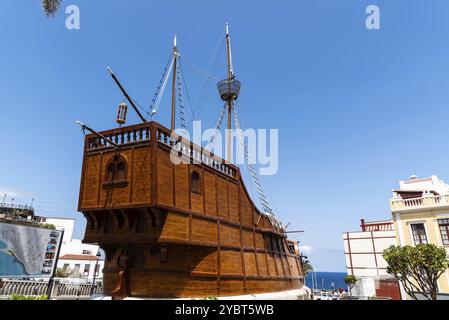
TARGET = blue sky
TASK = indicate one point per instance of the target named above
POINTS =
(357, 110)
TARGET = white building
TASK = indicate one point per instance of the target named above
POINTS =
(363, 252)
(78, 259)
(86, 267)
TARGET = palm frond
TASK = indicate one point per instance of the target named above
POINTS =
(51, 6)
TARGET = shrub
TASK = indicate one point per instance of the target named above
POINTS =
(22, 297)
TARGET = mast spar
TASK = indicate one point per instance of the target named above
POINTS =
(229, 90)
(173, 95)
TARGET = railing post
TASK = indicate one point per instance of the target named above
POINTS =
(428, 199)
(55, 292)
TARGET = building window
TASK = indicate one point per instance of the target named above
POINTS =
(87, 252)
(86, 270)
(76, 271)
(97, 268)
(195, 182)
(444, 230)
(419, 233)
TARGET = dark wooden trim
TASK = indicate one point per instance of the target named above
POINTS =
(197, 274)
(100, 178)
(131, 176)
(218, 257)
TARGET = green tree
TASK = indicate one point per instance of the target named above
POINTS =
(51, 6)
(63, 272)
(417, 268)
(350, 281)
(306, 267)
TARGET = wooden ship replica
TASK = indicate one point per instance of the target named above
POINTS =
(179, 230)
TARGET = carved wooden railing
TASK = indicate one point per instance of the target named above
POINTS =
(38, 288)
(142, 133)
(187, 150)
(121, 136)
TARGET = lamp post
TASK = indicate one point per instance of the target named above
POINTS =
(95, 273)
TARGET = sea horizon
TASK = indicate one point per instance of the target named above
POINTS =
(328, 280)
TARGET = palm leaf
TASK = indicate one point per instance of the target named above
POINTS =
(51, 6)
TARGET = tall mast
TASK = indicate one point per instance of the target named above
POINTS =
(229, 90)
(173, 94)
(230, 98)
(229, 54)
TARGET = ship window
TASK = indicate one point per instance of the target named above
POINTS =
(121, 171)
(116, 170)
(195, 182)
(111, 172)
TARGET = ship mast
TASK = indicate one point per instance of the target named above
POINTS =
(173, 95)
(229, 90)
(230, 101)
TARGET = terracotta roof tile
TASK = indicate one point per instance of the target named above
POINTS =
(78, 257)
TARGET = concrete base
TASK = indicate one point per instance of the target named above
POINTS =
(299, 294)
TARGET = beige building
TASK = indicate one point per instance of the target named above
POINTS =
(420, 209)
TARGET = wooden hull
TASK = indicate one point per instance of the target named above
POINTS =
(186, 230)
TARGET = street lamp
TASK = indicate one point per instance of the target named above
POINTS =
(95, 273)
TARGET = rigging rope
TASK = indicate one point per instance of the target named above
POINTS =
(217, 127)
(181, 100)
(160, 83)
(256, 179)
(212, 65)
(161, 88)
(187, 91)
(205, 74)
(140, 107)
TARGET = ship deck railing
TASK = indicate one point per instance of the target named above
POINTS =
(144, 133)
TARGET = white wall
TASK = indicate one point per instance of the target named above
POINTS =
(63, 224)
(71, 264)
(365, 287)
(363, 252)
(431, 183)
(77, 247)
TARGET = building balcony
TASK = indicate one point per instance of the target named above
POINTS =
(427, 201)
(386, 225)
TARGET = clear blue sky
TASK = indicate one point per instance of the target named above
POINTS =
(357, 110)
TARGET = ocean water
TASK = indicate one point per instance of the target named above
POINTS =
(9, 265)
(327, 280)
